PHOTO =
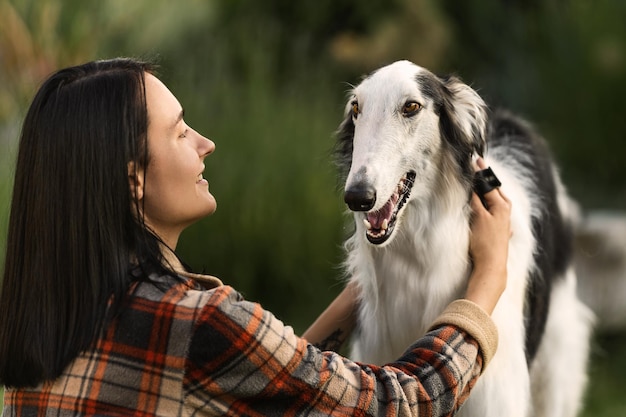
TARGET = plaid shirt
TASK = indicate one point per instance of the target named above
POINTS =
(184, 350)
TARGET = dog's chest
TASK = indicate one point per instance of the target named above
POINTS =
(410, 295)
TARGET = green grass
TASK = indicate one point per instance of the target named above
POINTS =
(606, 391)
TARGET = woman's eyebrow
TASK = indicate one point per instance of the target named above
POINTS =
(178, 118)
(176, 121)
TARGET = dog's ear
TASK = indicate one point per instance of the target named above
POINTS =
(466, 114)
(344, 143)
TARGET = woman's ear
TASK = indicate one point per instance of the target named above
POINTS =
(135, 181)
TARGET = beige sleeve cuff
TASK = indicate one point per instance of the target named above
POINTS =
(471, 318)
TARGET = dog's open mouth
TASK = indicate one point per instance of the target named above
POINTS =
(379, 224)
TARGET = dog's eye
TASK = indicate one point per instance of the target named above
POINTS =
(355, 109)
(411, 108)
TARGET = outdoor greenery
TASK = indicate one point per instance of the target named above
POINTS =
(266, 80)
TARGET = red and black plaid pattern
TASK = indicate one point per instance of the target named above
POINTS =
(186, 351)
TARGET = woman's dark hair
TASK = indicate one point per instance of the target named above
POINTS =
(73, 230)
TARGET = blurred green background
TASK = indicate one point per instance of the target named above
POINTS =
(266, 80)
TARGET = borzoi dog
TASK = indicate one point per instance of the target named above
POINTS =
(406, 148)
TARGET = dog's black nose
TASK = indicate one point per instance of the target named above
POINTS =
(360, 197)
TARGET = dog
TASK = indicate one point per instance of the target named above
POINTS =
(405, 149)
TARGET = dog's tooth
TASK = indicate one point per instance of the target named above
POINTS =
(367, 224)
(385, 224)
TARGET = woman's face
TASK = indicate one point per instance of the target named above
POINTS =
(173, 190)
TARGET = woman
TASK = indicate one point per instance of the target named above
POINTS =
(105, 320)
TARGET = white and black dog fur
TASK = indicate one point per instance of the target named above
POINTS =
(406, 149)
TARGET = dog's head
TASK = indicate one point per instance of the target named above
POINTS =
(404, 128)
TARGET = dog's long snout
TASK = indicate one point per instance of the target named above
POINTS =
(360, 197)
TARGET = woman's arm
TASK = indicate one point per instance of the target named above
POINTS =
(333, 327)
(489, 247)
(244, 361)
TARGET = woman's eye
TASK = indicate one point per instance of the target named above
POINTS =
(411, 108)
(355, 109)
(184, 134)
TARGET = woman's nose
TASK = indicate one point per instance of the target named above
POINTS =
(205, 146)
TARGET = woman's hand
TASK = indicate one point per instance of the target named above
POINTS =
(489, 247)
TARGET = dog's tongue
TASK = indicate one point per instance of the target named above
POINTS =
(376, 218)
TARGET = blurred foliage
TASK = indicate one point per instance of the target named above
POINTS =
(605, 393)
(267, 81)
(563, 65)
